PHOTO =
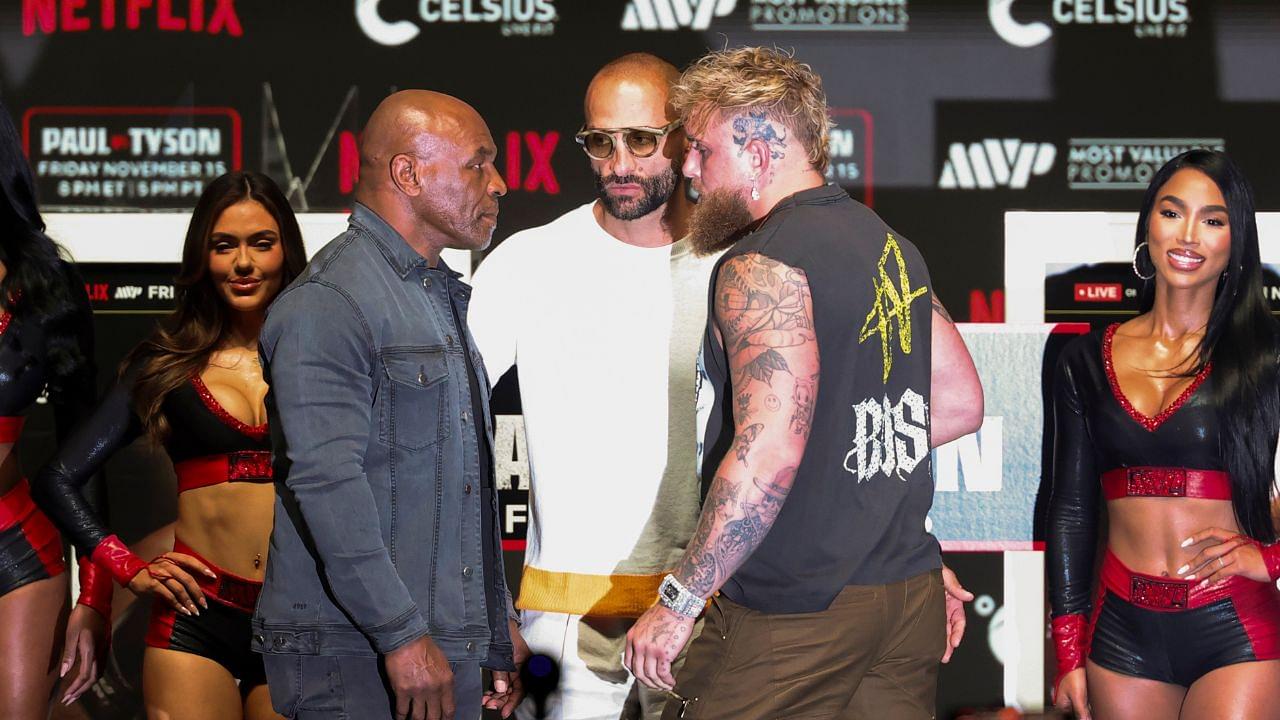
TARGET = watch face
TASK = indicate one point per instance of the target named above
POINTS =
(670, 592)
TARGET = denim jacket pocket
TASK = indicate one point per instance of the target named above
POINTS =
(415, 397)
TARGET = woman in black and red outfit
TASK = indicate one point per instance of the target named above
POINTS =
(46, 343)
(195, 385)
(1171, 418)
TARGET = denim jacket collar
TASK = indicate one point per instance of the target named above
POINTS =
(402, 258)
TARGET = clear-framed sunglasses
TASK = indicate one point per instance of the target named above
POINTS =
(641, 141)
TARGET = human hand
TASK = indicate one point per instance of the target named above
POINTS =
(421, 681)
(508, 689)
(957, 596)
(653, 643)
(84, 650)
(1072, 694)
(1225, 554)
(169, 577)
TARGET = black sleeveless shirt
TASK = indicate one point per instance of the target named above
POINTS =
(856, 512)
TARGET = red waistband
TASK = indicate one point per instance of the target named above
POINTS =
(11, 428)
(229, 589)
(16, 505)
(242, 466)
(1166, 482)
(1172, 594)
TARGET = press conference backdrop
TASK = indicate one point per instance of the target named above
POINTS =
(948, 114)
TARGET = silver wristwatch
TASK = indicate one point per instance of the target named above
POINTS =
(679, 599)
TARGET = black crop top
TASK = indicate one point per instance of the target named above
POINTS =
(1096, 430)
(198, 427)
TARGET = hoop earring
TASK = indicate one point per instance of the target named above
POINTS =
(1135, 262)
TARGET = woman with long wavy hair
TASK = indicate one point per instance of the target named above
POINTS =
(1171, 420)
(195, 386)
(46, 345)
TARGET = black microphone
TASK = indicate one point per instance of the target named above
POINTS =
(540, 676)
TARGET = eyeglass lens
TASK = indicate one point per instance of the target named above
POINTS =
(641, 143)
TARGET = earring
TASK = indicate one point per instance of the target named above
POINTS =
(755, 193)
(1135, 262)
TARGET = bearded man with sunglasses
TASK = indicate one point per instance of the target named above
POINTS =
(607, 374)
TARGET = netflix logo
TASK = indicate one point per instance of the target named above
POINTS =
(214, 17)
(1099, 292)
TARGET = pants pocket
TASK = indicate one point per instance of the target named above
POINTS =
(301, 684)
(321, 684)
(284, 682)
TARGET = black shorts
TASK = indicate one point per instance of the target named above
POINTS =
(1168, 630)
(220, 632)
(30, 546)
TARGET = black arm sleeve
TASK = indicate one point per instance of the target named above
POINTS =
(73, 396)
(1073, 505)
(60, 486)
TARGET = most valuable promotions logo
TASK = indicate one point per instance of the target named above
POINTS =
(1125, 163)
(514, 17)
(1148, 18)
(674, 14)
(844, 15)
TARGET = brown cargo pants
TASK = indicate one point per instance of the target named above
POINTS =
(873, 654)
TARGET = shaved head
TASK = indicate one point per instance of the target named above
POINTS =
(410, 121)
(640, 76)
(426, 167)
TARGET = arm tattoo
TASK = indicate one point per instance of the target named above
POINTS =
(760, 313)
(743, 409)
(937, 307)
(755, 125)
(764, 312)
(742, 441)
(806, 391)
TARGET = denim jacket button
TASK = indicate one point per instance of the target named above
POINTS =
(448, 340)
(422, 378)
(467, 490)
(466, 571)
(426, 282)
(471, 646)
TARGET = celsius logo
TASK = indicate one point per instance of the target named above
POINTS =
(674, 14)
(517, 17)
(1014, 32)
(1149, 18)
(995, 163)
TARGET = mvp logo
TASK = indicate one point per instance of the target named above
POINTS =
(674, 14)
(990, 164)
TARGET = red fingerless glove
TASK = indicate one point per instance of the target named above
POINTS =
(1071, 644)
(95, 587)
(116, 557)
(1271, 556)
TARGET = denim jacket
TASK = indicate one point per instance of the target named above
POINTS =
(379, 510)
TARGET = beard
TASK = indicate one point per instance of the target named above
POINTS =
(657, 190)
(717, 220)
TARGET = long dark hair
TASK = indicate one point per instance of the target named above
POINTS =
(38, 283)
(1242, 339)
(181, 344)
